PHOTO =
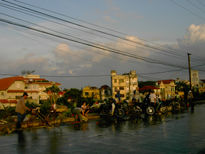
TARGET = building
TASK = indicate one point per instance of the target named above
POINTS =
(91, 92)
(124, 86)
(194, 78)
(105, 92)
(12, 88)
(167, 89)
(202, 86)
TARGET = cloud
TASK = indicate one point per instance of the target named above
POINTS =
(194, 40)
(62, 50)
(109, 19)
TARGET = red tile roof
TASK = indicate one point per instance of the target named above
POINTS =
(32, 91)
(5, 101)
(148, 88)
(15, 91)
(5, 83)
(165, 81)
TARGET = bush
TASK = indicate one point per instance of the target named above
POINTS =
(45, 107)
(6, 112)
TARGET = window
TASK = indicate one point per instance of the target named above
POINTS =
(122, 95)
(86, 93)
(115, 80)
(121, 80)
(121, 88)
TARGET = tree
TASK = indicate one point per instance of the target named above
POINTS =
(182, 86)
(53, 93)
(146, 83)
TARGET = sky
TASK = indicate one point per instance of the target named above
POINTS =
(81, 41)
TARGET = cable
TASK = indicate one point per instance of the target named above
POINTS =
(155, 49)
(91, 45)
(181, 6)
(96, 30)
(83, 21)
(194, 5)
(9, 7)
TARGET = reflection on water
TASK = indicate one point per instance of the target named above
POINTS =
(170, 133)
(21, 142)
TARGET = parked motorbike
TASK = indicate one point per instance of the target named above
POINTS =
(161, 107)
(113, 109)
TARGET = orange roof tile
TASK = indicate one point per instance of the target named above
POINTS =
(5, 83)
(148, 88)
(15, 91)
(5, 101)
(165, 81)
(32, 91)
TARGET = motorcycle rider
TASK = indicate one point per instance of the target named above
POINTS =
(153, 97)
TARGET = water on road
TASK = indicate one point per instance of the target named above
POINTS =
(171, 133)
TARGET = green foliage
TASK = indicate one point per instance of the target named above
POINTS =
(74, 93)
(67, 114)
(6, 112)
(182, 86)
(53, 89)
(54, 93)
(45, 107)
(146, 83)
(61, 101)
(31, 105)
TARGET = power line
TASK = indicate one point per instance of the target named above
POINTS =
(188, 10)
(194, 5)
(149, 60)
(99, 75)
(165, 52)
(93, 29)
(15, 8)
(83, 21)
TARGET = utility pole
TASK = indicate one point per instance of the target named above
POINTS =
(189, 70)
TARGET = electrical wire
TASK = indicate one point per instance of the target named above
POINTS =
(93, 29)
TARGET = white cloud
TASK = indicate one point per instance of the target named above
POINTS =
(194, 40)
(62, 50)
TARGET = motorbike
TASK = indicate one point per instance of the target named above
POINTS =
(112, 109)
(161, 107)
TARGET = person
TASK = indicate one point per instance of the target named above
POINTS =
(152, 97)
(147, 98)
(190, 100)
(84, 109)
(74, 110)
(21, 109)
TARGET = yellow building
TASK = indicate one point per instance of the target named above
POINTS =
(12, 88)
(167, 89)
(125, 85)
(194, 78)
(91, 92)
(202, 86)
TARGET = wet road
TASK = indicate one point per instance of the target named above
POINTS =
(171, 133)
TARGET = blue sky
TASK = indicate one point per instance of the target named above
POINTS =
(170, 24)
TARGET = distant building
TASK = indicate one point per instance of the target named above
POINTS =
(91, 92)
(105, 92)
(167, 89)
(124, 86)
(194, 78)
(202, 86)
(12, 88)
